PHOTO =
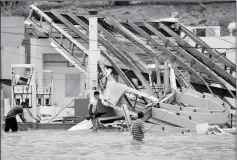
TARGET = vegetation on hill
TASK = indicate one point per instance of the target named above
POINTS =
(192, 14)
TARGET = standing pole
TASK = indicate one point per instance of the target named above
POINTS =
(166, 76)
(33, 102)
(94, 53)
(236, 101)
(157, 64)
(12, 86)
(1, 91)
(173, 84)
(52, 94)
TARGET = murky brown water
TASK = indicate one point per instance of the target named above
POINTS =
(113, 145)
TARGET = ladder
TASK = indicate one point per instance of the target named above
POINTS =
(71, 49)
(151, 50)
(205, 47)
(208, 62)
(194, 62)
(173, 52)
(76, 53)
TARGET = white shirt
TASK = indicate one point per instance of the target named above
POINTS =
(94, 103)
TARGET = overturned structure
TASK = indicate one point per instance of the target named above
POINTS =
(172, 92)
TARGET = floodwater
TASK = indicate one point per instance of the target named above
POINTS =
(114, 145)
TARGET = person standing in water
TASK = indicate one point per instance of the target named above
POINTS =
(93, 110)
(11, 122)
(138, 127)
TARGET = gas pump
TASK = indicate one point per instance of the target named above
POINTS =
(26, 89)
(23, 89)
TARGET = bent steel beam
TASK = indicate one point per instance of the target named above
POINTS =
(203, 103)
(132, 56)
(209, 116)
(217, 91)
(110, 47)
(70, 58)
(182, 79)
(64, 34)
(205, 46)
(188, 109)
(86, 39)
(111, 78)
(186, 55)
(165, 50)
(116, 52)
(201, 57)
(178, 118)
(109, 58)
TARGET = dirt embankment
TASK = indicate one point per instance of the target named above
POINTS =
(190, 14)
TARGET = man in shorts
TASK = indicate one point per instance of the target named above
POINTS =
(11, 122)
(93, 110)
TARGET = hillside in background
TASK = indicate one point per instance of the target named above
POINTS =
(190, 14)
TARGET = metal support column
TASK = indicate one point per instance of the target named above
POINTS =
(94, 53)
(158, 78)
(166, 76)
(34, 106)
(173, 84)
(52, 94)
(236, 98)
(1, 92)
(1, 104)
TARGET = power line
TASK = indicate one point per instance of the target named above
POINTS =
(112, 56)
(114, 42)
(13, 26)
(59, 54)
(70, 79)
(194, 47)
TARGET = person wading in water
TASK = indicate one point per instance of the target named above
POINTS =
(138, 127)
(11, 122)
(93, 110)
